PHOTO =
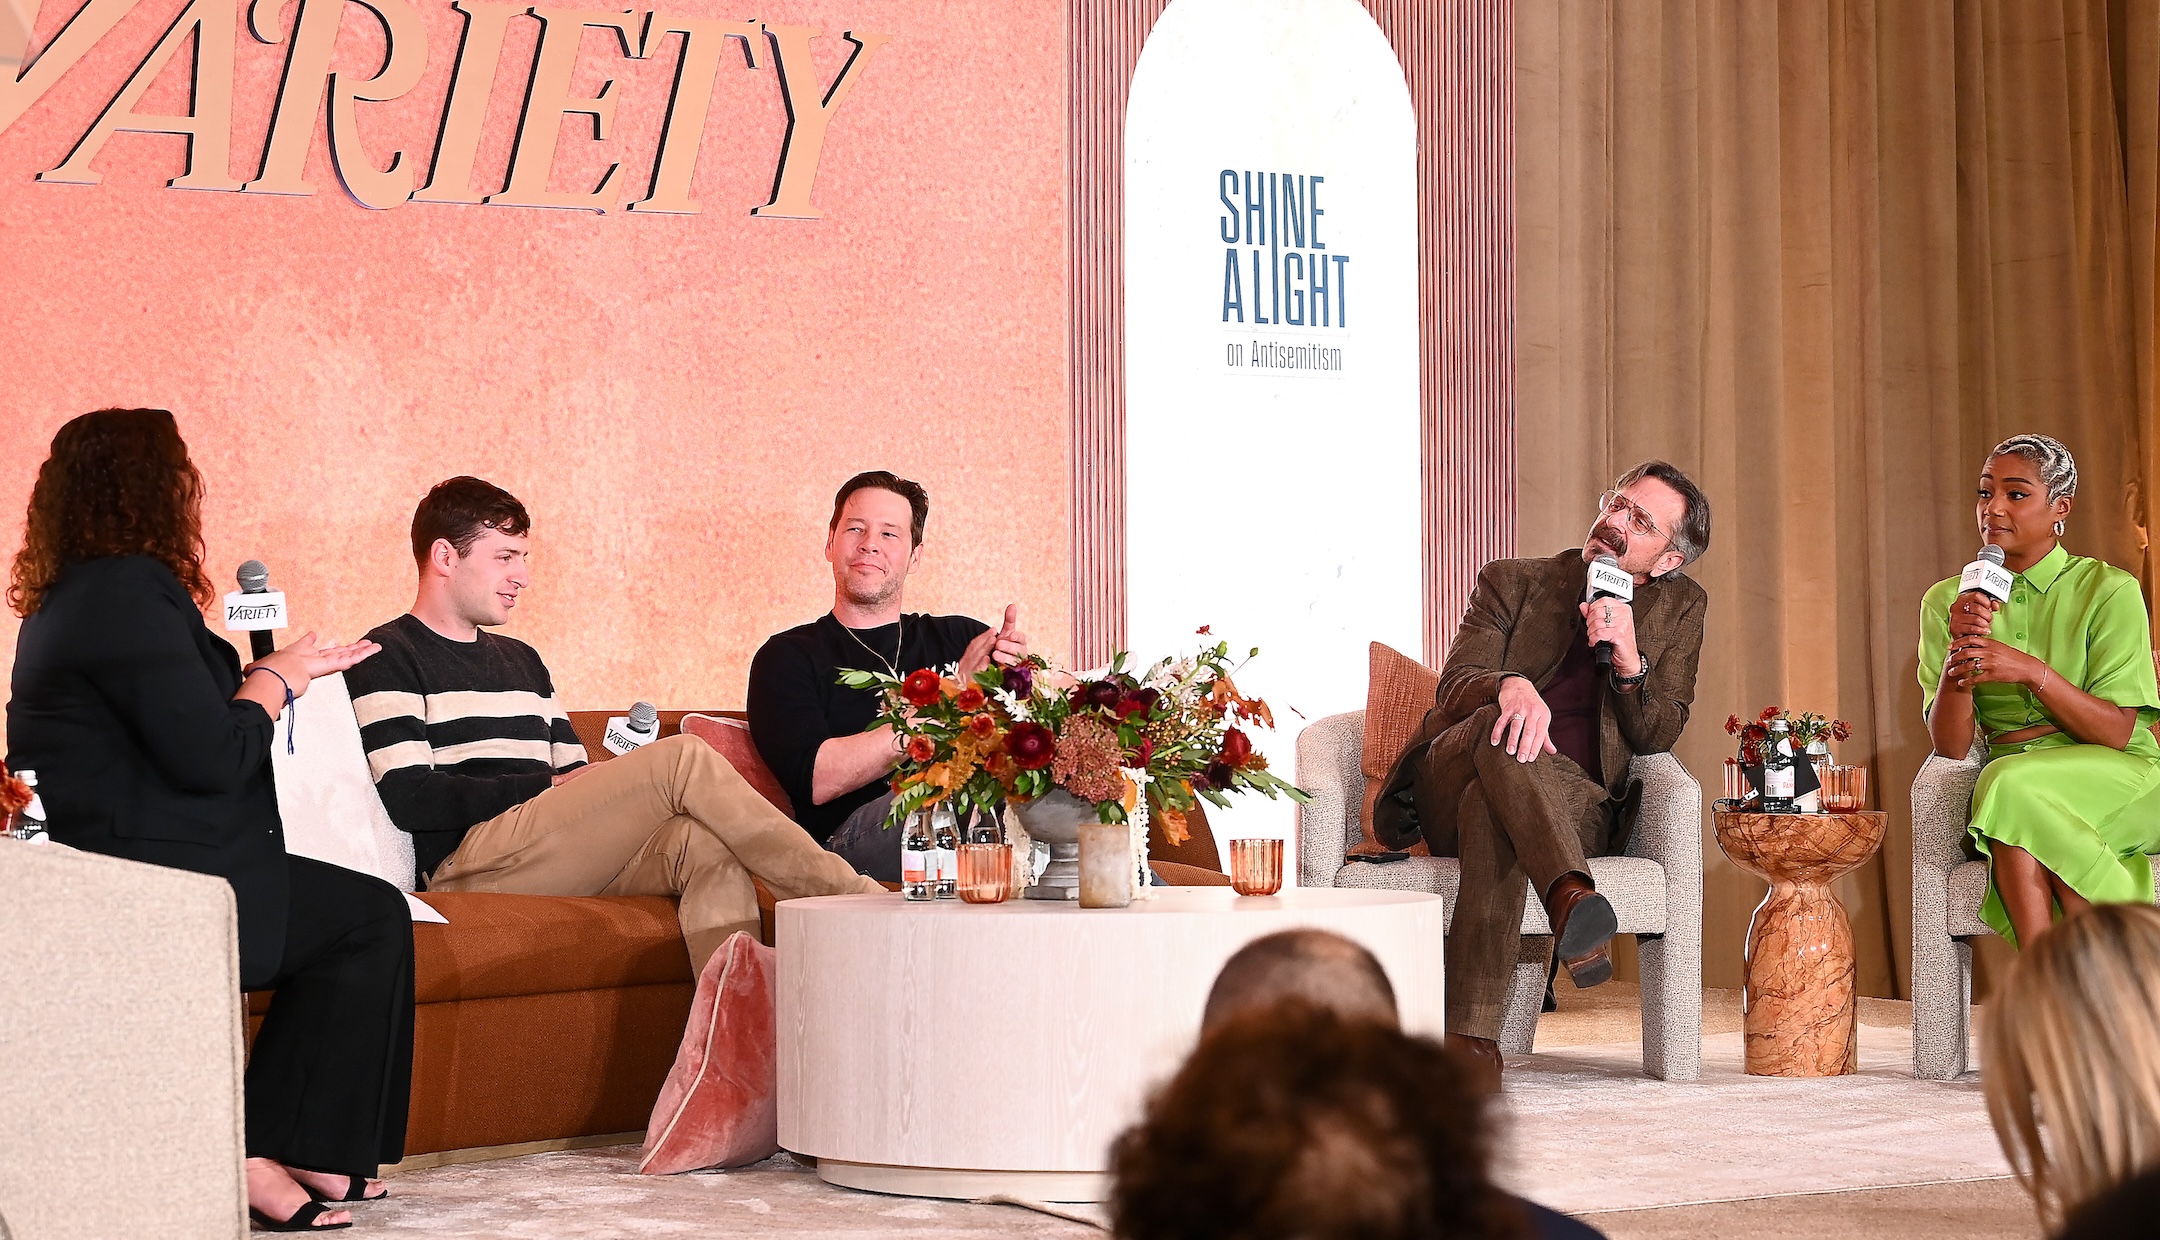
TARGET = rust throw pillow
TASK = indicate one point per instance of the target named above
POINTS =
(719, 1106)
(732, 738)
(1398, 692)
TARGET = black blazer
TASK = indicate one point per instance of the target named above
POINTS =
(123, 706)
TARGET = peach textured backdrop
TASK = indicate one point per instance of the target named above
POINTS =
(674, 397)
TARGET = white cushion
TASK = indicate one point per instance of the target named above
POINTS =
(326, 794)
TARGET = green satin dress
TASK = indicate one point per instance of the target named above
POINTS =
(2089, 813)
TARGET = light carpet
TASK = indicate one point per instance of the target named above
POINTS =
(1584, 1131)
(1587, 1131)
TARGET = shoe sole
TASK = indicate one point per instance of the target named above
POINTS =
(1585, 946)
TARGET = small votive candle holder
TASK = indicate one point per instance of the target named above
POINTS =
(1844, 789)
(986, 873)
(1256, 867)
(1736, 784)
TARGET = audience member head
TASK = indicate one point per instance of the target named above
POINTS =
(875, 538)
(1319, 967)
(1296, 1121)
(118, 482)
(2073, 1047)
(469, 541)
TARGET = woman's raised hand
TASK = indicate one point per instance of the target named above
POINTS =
(304, 660)
(1972, 614)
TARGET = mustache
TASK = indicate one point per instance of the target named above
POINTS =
(1612, 536)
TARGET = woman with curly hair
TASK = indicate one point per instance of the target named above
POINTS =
(1296, 1120)
(152, 743)
(2060, 679)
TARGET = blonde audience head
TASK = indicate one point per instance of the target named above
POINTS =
(2072, 1045)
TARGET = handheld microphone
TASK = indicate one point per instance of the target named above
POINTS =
(1607, 580)
(632, 731)
(1986, 575)
(255, 608)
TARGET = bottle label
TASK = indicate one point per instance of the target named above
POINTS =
(1778, 782)
(914, 866)
(947, 863)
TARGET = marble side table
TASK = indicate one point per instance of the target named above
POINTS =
(1800, 1015)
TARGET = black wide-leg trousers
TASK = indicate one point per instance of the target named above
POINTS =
(330, 1078)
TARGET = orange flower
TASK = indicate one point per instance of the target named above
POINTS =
(970, 698)
(921, 748)
(982, 725)
(1174, 828)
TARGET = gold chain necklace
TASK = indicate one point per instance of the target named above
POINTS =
(892, 665)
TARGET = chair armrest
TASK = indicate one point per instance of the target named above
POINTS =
(1668, 830)
(1941, 807)
(1328, 755)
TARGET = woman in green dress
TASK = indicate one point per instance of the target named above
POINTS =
(2060, 678)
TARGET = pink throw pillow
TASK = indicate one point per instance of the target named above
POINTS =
(719, 1106)
(732, 738)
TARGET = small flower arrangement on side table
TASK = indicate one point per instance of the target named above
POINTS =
(1774, 738)
(1111, 746)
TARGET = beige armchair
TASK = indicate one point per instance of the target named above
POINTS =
(120, 1023)
(1656, 888)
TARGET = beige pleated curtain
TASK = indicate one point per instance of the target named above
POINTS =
(1823, 254)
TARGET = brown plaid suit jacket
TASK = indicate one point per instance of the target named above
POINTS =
(1521, 617)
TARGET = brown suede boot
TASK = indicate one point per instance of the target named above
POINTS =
(1480, 1061)
(1583, 923)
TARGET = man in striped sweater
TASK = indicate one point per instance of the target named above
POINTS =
(474, 757)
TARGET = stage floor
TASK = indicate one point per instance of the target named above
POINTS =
(1730, 1155)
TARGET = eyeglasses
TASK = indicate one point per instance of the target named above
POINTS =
(1613, 504)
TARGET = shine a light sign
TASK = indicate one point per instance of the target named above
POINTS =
(700, 45)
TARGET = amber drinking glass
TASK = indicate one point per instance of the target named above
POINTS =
(1256, 867)
(985, 873)
(1844, 789)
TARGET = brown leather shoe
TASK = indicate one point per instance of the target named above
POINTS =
(1480, 1061)
(1583, 924)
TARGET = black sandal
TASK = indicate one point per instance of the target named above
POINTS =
(355, 1190)
(303, 1219)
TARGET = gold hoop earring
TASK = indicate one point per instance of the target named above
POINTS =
(2058, 529)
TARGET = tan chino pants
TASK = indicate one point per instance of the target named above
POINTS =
(671, 819)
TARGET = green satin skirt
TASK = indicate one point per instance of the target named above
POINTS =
(2089, 813)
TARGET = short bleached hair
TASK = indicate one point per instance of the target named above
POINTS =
(2056, 467)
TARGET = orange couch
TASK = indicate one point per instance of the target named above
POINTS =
(548, 1017)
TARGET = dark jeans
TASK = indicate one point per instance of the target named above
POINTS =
(865, 842)
(330, 1079)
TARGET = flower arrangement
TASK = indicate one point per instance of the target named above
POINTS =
(1137, 745)
(14, 795)
(1805, 729)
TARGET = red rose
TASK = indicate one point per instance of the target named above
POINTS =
(921, 748)
(982, 726)
(1733, 725)
(1031, 746)
(1840, 731)
(1769, 713)
(970, 698)
(1139, 754)
(921, 688)
(1754, 733)
(1236, 748)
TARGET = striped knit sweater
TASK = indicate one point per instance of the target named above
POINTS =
(456, 732)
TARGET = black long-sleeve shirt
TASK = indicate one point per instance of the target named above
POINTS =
(456, 732)
(797, 702)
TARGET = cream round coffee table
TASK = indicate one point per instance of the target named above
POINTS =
(956, 1050)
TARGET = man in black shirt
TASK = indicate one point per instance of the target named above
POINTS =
(808, 727)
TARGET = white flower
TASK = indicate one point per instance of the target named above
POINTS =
(1015, 706)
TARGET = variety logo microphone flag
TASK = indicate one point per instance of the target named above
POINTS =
(1608, 580)
(1986, 575)
(632, 731)
(255, 608)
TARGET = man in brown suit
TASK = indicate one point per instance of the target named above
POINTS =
(1521, 768)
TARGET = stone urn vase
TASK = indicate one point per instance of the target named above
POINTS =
(1055, 819)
